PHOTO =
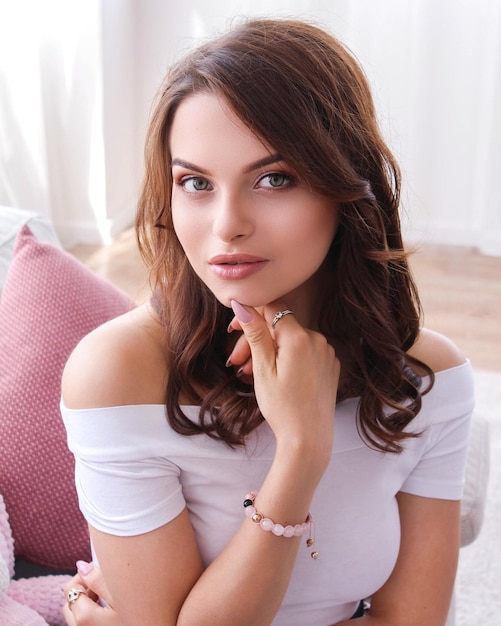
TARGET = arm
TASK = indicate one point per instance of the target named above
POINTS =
(246, 583)
(418, 591)
(157, 578)
(150, 575)
(420, 587)
(140, 570)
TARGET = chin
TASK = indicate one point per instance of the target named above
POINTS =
(255, 298)
(252, 302)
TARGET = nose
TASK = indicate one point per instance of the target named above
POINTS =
(232, 217)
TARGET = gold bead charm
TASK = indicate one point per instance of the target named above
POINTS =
(309, 542)
(314, 555)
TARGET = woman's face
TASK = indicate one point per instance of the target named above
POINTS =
(252, 230)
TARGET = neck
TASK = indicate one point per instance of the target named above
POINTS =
(307, 299)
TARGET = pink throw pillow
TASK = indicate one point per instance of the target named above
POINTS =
(49, 302)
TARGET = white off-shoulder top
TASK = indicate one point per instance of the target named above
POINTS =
(134, 474)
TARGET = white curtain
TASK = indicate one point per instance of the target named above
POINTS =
(77, 78)
(50, 114)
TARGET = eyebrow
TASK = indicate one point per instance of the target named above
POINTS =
(255, 165)
(260, 163)
(189, 166)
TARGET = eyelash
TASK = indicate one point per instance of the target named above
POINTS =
(191, 179)
(288, 180)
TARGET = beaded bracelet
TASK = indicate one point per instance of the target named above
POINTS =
(306, 528)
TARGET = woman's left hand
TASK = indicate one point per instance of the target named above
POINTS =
(87, 608)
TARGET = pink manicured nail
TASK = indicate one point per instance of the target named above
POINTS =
(241, 312)
(84, 568)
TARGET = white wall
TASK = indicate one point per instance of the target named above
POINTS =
(71, 140)
(122, 137)
(435, 68)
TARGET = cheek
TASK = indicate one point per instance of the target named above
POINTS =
(315, 236)
(190, 234)
(329, 227)
(181, 224)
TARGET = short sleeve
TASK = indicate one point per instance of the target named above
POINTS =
(446, 414)
(125, 484)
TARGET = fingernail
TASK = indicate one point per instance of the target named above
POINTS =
(241, 312)
(230, 328)
(240, 372)
(228, 362)
(84, 568)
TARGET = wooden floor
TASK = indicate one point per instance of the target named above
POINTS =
(460, 291)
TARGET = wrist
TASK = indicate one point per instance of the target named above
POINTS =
(286, 530)
(306, 459)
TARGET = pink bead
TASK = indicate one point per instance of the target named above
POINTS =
(278, 530)
(250, 511)
(266, 523)
(289, 531)
(298, 530)
(306, 527)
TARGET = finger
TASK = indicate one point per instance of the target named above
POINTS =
(278, 314)
(258, 335)
(234, 325)
(240, 356)
(245, 370)
(93, 579)
(86, 611)
(235, 322)
(77, 582)
(240, 353)
(74, 583)
(74, 593)
(68, 616)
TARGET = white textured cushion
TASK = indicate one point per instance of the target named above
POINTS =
(11, 221)
(477, 477)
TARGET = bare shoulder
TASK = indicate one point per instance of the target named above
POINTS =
(119, 363)
(436, 350)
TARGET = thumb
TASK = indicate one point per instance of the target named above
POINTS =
(93, 578)
(257, 334)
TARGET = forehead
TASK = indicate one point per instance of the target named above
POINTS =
(204, 124)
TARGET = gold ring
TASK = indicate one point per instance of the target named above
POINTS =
(74, 594)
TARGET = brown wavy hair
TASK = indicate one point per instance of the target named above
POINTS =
(301, 90)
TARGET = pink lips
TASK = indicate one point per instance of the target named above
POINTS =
(236, 266)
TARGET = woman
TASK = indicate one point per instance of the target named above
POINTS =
(280, 362)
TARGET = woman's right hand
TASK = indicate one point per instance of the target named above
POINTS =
(296, 375)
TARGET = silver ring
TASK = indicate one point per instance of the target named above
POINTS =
(74, 594)
(279, 315)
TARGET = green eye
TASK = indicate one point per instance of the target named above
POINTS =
(194, 184)
(275, 180)
(200, 184)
